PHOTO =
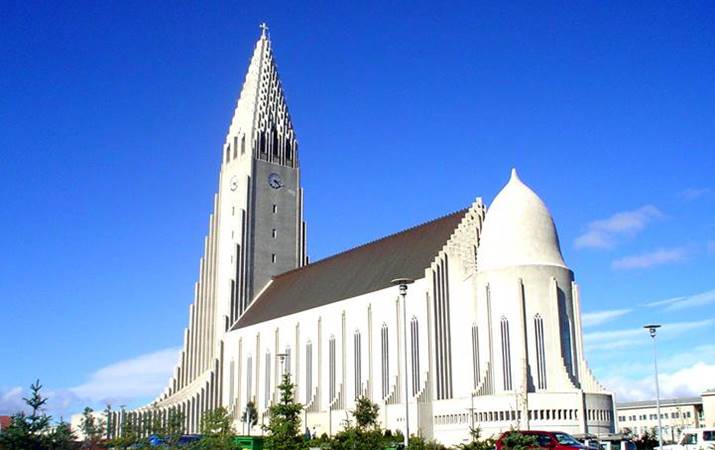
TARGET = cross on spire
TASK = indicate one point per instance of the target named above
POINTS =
(264, 29)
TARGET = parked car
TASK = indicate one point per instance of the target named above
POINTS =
(556, 440)
(694, 439)
(609, 442)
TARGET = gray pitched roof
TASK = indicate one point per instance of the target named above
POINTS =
(360, 270)
(663, 402)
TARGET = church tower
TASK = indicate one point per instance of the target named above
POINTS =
(260, 201)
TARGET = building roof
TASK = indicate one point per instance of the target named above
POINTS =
(663, 402)
(363, 269)
(518, 230)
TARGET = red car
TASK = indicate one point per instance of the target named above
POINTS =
(547, 439)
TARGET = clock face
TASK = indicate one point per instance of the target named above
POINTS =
(274, 181)
(233, 183)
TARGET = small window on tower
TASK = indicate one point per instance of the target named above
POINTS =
(274, 233)
(273, 258)
(275, 208)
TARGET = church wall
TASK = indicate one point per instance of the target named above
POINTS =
(366, 313)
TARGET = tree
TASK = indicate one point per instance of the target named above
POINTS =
(128, 434)
(28, 432)
(364, 434)
(365, 413)
(174, 427)
(217, 431)
(62, 437)
(108, 421)
(646, 441)
(284, 420)
(419, 443)
(250, 416)
(92, 429)
(477, 443)
(515, 440)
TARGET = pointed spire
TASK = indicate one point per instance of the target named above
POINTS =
(261, 124)
(514, 175)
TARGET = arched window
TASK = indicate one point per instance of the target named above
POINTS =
(415, 340)
(357, 343)
(267, 400)
(540, 352)
(475, 355)
(506, 353)
(308, 371)
(331, 368)
(385, 361)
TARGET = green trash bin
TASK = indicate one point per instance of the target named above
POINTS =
(249, 442)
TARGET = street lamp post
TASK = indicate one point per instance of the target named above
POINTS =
(402, 283)
(652, 330)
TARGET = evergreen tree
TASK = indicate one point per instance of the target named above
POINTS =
(108, 420)
(62, 437)
(92, 429)
(250, 416)
(174, 427)
(217, 431)
(28, 432)
(284, 420)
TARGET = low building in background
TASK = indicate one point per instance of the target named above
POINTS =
(709, 408)
(5, 422)
(676, 415)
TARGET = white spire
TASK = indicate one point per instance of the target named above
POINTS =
(261, 111)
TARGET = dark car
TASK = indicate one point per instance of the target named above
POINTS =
(546, 439)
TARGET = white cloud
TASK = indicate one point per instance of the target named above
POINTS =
(11, 401)
(605, 233)
(651, 259)
(129, 381)
(629, 337)
(685, 382)
(142, 376)
(599, 317)
(686, 302)
(694, 193)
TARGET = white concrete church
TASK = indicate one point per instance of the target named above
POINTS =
(492, 335)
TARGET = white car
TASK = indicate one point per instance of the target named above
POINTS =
(694, 439)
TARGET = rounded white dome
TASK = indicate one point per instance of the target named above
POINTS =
(518, 230)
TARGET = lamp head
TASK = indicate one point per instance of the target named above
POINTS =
(651, 329)
(402, 283)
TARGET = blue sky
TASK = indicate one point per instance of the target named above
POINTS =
(112, 118)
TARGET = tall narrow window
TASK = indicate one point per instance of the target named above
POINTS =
(249, 378)
(231, 380)
(286, 367)
(506, 353)
(243, 144)
(331, 368)
(357, 343)
(415, 341)
(267, 400)
(540, 352)
(475, 354)
(308, 371)
(385, 361)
